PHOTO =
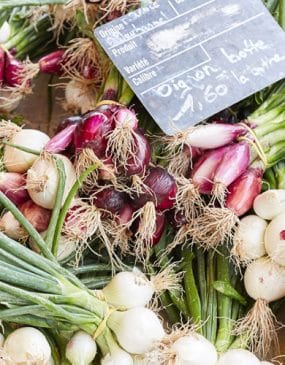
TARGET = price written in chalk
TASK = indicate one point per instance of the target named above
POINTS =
(188, 60)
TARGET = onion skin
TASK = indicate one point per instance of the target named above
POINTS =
(91, 133)
(238, 357)
(13, 185)
(233, 164)
(125, 116)
(62, 140)
(270, 204)
(124, 215)
(16, 160)
(2, 65)
(213, 135)
(161, 189)
(204, 169)
(243, 191)
(137, 165)
(13, 68)
(39, 217)
(160, 226)
(274, 239)
(109, 199)
(52, 63)
(176, 218)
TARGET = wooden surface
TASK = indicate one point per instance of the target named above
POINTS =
(34, 108)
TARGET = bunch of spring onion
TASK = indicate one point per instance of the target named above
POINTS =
(219, 168)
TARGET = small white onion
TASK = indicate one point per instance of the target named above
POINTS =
(5, 31)
(42, 180)
(27, 345)
(81, 349)
(264, 279)
(137, 330)
(11, 227)
(270, 203)
(275, 239)
(194, 350)
(129, 289)
(16, 160)
(249, 238)
(117, 357)
(238, 357)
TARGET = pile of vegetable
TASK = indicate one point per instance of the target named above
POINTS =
(120, 245)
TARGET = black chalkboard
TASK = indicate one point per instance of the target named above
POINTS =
(188, 59)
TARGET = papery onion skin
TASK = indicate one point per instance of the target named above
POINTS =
(19, 161)
(160, 188)
(42, 180)
(38, 216)
(109, 199)
(13, 185)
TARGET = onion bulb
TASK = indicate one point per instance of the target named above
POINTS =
(238, 357)
(275, 239)
(249, 238)
(270, 203)
(194, 349)
(129, 289)
(137, 330)
(81, 349)
(16, 160)
(42, 180)
(117, 356)
(266, 363)
(27, 345)
(11, 227)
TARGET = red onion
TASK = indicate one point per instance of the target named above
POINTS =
(109, 199)
(137, 164)
(2, 65)
(13, 69)
(176, 218)
(124, 215)
(76, 119)
(160, 225)
(125, 117)
(89, 73)
(52, 63)
(243, 191)
(204, 169)
(233, 164)
(13, 185)
(91, 133)
(39, 217)
(159, 187)
(62, 140)
(213, 135)
(107, 109)
(192, 152)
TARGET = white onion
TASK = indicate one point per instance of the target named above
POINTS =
(194, 350)
(249, 238)
(270, 203)
(81, 349)
(266, 363)
(117, 357)
(129, 289)
(11, 227)
(238, 357)
(5, 31)
(2, 340)
(42, 180)
(137, 329)
(16, 160)
(264, 279)
(275, 239)
(27, 345)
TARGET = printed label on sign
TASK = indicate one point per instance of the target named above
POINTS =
(187, 60)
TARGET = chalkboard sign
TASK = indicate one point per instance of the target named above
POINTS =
(189, 59)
